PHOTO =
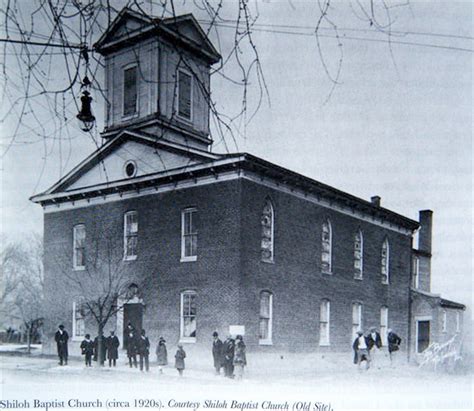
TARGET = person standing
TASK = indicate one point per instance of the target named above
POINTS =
(240, 359)
(161, 354)
(131, 345)
(217, 347)
(113, 344)
(144, 351)
(87, 349)
(61, 337)
(179, 359)
(361, 349)
(394, 342)
(374, 343)
(228, 353)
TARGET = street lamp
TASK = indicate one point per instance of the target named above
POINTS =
(85, 117)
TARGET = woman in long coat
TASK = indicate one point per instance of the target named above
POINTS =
(179, 359)
(240, 358)
(161, 354)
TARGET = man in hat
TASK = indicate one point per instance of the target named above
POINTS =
(144, 351)
(228, 356)
(217, 347)
(361, 348)
(61, 337)
(375, 343)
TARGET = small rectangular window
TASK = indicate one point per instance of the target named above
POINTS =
(189, 235)
(383, 324)
(130, 235)
(356, 318)
(188, 316)
(266, 312)
(78, 319)
(79, 237)
(130, 92)
(324, 316)
(185, 95)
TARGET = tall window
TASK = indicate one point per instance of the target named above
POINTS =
(130, 93)
(356, 318)
(188, 316)
(130, 235)
(384, 324)
(324, 315)
(78, 319)
(444, 319)
(385, 262)
(266, 313)
(416, 272)
(326, 243)
(358, 255)
(189, 234)
(79, 239)
(267, 232)
(185, 95)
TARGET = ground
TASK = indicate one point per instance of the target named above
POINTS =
(295, 382)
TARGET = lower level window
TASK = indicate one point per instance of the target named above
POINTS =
(266, 313)
(78, 319)
(324, 316)
(188, 316)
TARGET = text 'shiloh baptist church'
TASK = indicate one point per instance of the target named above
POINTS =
(212, 240)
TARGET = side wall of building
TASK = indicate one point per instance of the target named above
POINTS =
(297, 283)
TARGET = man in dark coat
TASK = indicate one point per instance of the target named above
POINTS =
(228, 353)
(131, 344)
(361, 349)
(113, 344)
(217, 347)
(143, 345)
(61, 337)
(374, 342)
(394, 342)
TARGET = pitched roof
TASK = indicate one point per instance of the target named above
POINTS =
(183, 30)
(451, 304)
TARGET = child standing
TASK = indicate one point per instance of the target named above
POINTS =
(87, 349)
(179, 359)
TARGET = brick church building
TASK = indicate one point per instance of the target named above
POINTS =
(209, 241)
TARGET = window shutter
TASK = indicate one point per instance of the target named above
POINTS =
(184, 98)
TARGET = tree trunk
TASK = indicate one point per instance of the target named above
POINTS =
(28, 338)
(100, 346)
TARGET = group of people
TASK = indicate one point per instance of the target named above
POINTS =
(229, 355)
(94, 349)
(366, 347)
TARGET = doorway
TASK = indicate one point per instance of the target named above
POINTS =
(423, 336)
(133, 314)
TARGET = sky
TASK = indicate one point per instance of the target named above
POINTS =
(398, 124)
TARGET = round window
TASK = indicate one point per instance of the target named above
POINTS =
(130, 168)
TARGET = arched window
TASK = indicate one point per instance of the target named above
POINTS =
(358, 255)
(385, 262)
(267, 232)
(324, 317)
(326, 247)
(188, 318)
(266, 317)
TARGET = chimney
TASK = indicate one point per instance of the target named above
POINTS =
(424, 235)
(375, 200)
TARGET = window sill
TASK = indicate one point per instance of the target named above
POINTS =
(324, 344)
(81, 268)
(385, 283)
(265, 342)
(358, 278)
(267, 261)
(187, 340)
(130, 258)
(188, 259)
(129, 117)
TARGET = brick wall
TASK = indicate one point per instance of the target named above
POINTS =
(228, 275)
